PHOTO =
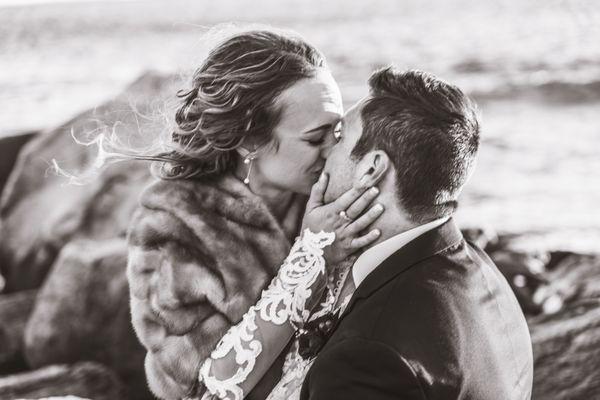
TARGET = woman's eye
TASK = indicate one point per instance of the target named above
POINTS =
(316, 142)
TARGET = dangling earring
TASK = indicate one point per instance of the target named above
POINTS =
(248, 161)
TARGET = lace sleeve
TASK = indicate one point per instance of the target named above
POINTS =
(238, 362)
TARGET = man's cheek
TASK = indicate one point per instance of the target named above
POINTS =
(330, 193)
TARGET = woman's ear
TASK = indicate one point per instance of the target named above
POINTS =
(245, 153)
(372, 168)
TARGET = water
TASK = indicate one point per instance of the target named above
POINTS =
(534, 67)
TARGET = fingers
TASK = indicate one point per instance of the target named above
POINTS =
(365, 240)
(366, 219)
(362, 203)
(317, 192)
(345, 200)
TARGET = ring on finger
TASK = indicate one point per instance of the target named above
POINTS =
(345, 216)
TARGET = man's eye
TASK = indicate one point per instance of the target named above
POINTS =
(337, 131)
(337, 134)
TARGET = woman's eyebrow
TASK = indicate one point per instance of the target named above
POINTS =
(320, 128)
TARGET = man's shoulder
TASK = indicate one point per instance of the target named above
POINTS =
(444, 291)
(420, 297)
(448, 314)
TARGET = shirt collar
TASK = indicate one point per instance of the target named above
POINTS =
(372, 257)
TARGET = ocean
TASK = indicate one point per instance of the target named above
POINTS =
(532, 66)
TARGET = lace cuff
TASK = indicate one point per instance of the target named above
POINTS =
(284, 301)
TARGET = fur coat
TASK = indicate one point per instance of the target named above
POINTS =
(200, 253)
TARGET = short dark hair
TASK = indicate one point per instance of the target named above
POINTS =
(430, 131)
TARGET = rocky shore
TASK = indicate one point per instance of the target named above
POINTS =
(64, 313)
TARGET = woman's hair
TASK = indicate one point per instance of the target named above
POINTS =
(231, 100)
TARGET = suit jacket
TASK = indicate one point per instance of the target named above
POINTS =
(436, 320)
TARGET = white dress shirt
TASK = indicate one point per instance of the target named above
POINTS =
(371, 258)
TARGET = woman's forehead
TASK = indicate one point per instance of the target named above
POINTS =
(311, 101)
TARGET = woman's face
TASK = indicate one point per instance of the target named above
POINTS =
(311, 112)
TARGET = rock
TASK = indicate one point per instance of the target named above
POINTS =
(70, 397)
(10, 146)
(566, 350)
(566, 345)
(85, 380)
(526, 274)
(575, 276)
(82, 313)
(15, 309)
(40, 212)
(484, 238)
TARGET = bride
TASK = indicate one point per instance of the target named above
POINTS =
(234, 270)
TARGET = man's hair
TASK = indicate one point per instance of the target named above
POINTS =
(430, 131)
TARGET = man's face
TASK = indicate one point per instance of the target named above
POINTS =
(339, 166)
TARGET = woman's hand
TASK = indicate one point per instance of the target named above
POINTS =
(345, 216)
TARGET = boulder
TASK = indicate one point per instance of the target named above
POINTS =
(40, 212)
(566, 351)
(82, 313)
(575, 277)
(15, 309)
(545, 282)
(526, 274)
(82, 380)
(485, 238)
(566, 344)
(10, 146)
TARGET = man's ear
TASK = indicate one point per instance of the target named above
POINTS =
(372, 168)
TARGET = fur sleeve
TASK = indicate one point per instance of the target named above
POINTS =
(192, 275)
(172, 296)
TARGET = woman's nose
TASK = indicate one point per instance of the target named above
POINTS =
(327, 146)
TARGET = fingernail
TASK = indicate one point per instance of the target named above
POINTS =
(377, 232)
(374, 190)
(378, 207)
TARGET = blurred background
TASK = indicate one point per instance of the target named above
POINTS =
(533, 66)
(67, 67)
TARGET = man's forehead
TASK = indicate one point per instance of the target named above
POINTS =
(353, 115)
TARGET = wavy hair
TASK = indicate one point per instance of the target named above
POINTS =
(232, 99)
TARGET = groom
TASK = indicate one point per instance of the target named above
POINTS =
(431, 317)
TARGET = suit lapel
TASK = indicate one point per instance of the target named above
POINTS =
(427, 245)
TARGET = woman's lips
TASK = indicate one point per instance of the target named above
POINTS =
(319, 169)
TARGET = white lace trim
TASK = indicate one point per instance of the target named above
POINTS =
(295, 367)
(284, 300)
(294, 370)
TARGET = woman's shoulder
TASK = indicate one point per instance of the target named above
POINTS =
(225, 197)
